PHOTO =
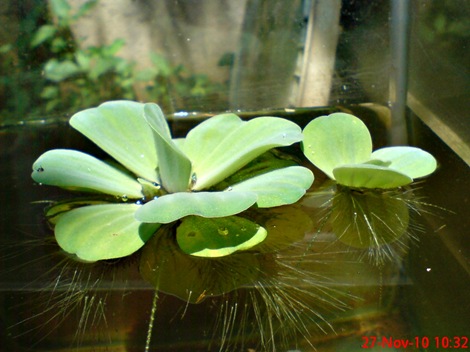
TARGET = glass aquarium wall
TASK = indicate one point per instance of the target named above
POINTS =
(60, 56)
(439, 72)
(304, 250)
(439, 83)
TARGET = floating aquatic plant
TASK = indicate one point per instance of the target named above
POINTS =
(161, 180)
(371, 211)
(341, 146)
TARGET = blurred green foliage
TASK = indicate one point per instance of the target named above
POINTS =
(45, 72)
(445, 27)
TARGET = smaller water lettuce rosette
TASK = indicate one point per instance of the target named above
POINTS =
(341, 146)
(202, 182)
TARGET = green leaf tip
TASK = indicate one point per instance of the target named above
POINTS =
(76, 170)
(174, 166)
(341, 146)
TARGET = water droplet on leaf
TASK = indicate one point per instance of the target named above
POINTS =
(223, 231)
(193, 179)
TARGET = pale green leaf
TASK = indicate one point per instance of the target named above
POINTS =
(334, 140)
(171, 207)
(54, 211)
(370, 176)
(58, 71)
(76, 170)
(243, 143)
(44, 33)
(205, 137)
(278, 187)
(410, 161)
(100, 232)
(174, 167)
(119, 128)
(219, 237)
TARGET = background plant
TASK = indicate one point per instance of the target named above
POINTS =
(61, 76)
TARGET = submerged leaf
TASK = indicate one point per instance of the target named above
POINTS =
(243, 143)
(411, 161)
(278, 187)
(337, 139)
(219, 237)
(174, 167)
(76, 170)
(100, 232)
(370, 176)
(285, 225)
(171, 207)
(192, 278)
(119, 128)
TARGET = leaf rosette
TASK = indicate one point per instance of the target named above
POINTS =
(341, 146)
(160, 180)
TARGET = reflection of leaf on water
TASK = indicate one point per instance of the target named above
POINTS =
(368, 219)
(285, 226)
(192, 278)
(273, 292)
(375, 221)
(269, 298)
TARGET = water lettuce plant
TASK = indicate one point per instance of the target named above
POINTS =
(341, 146)
(203, 180)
